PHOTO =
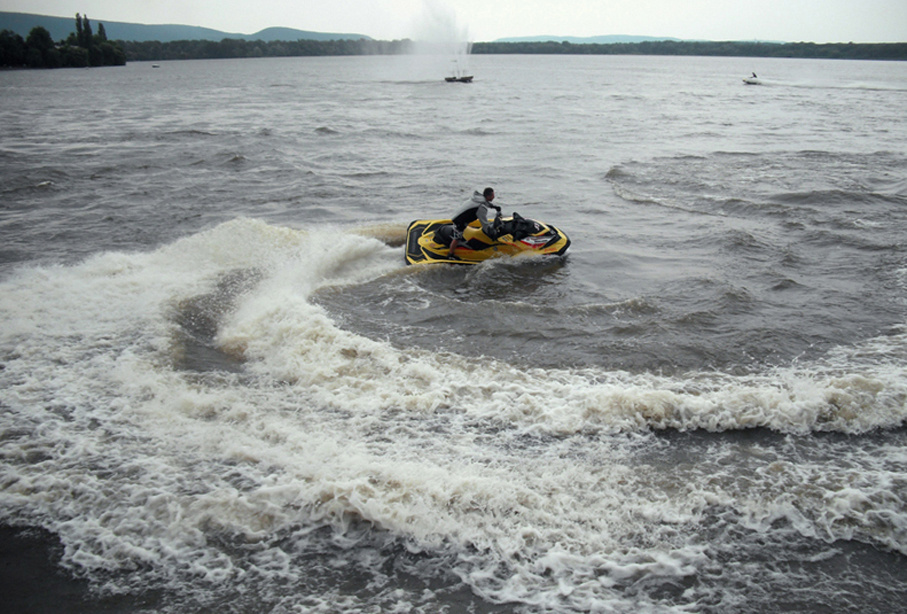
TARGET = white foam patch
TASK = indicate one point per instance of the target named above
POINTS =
(529, 478)
(285, 337)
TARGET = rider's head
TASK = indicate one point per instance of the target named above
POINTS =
(488, 193)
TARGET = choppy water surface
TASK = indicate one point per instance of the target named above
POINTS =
(221, 388)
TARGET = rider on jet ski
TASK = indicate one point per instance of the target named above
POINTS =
(476, 208)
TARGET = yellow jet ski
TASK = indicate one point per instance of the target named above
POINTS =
(428, 241)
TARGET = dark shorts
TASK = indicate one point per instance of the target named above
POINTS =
(447, 233)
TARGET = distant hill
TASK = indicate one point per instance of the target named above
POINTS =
(587, 40)
(60, 28)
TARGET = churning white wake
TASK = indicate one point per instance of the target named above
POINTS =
(534, 480)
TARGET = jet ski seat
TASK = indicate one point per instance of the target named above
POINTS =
(445, 234)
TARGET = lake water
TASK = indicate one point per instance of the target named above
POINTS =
(221, 389)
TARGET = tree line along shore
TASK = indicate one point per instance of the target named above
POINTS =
(235, 48)
(86, 48)
(82, 48)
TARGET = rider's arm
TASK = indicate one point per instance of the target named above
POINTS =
(487, 225)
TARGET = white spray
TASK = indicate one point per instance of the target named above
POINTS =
(440, 43)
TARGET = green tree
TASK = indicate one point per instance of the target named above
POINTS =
(74, 56)
(87, 36)
(39, 44)
(12, 49)
(112, 54)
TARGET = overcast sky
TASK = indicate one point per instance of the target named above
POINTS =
(819, 21)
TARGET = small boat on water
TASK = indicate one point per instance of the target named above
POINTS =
(753, 80)
(458, 76)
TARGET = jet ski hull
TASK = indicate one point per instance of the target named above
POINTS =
(428, 241)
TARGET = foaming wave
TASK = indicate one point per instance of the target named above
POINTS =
(285, 337)
(393, 235)
(268, 321)
(153, 476)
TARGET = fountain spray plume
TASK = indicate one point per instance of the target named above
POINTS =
(440, 40)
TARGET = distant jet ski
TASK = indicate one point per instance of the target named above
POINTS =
(428, 241)
(753, 80)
